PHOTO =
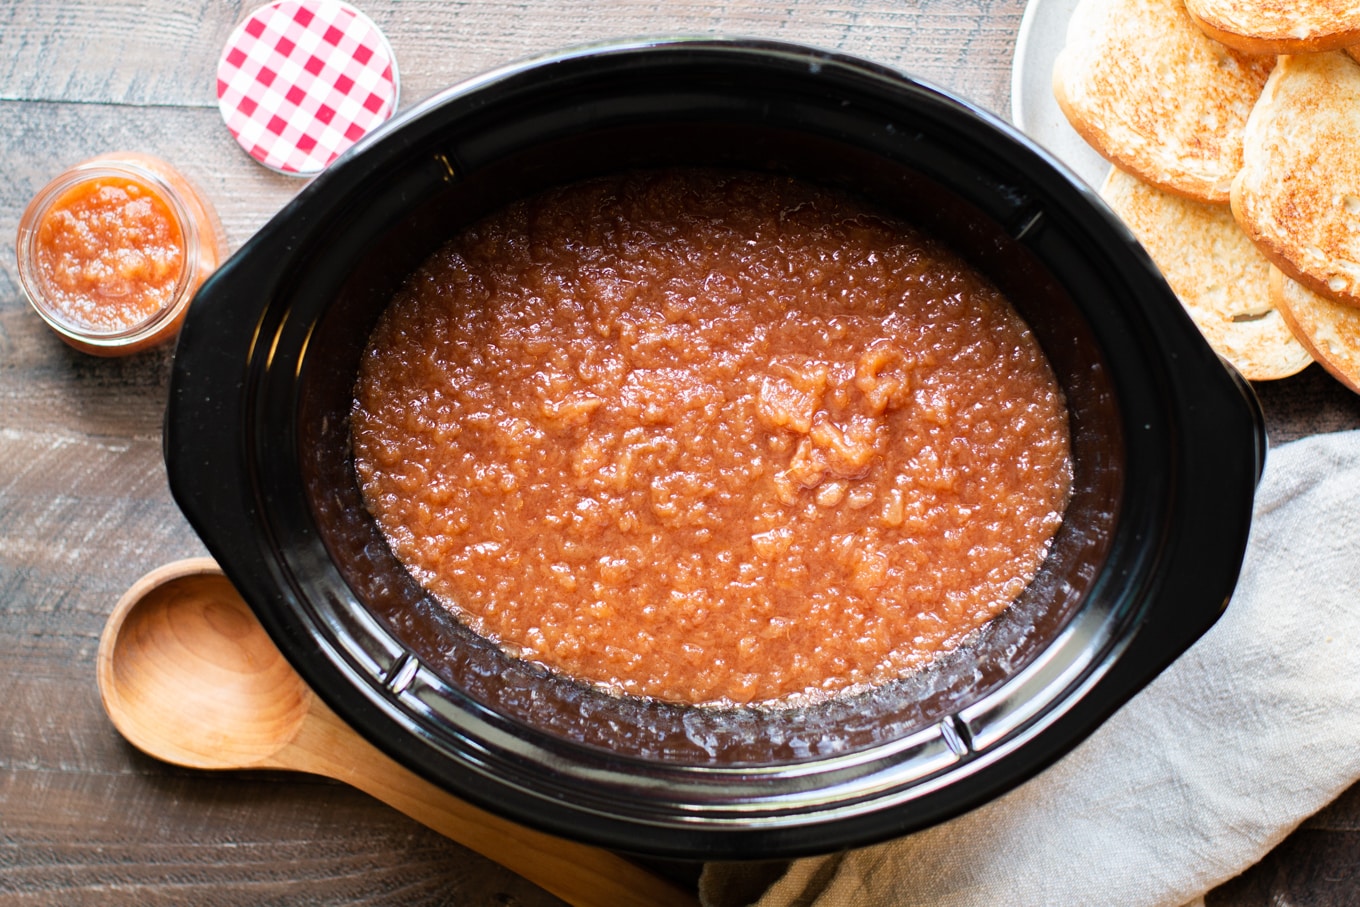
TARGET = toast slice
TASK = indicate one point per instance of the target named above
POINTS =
(1329, 330)
(1298, 193)
(1279, 26)
(1144, 87)
(1220, 278)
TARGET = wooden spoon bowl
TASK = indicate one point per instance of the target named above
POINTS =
(188, 676)
(186, 620)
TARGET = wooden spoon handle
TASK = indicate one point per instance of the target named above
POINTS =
(577, 873)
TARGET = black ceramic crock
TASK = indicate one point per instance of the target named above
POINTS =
(1167, 445)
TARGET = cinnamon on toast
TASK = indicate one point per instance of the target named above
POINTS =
(1329, 330)
(1145, 87)
(1220, 278)
(1298, 194)
(1279, 26)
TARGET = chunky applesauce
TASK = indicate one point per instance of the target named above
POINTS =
(110, 254)
(711, 437)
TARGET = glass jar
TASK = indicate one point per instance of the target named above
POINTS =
(111, 251)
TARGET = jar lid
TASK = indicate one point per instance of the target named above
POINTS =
(300, 81)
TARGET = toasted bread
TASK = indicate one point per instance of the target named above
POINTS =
(1330, 330)
(1220, 278)
(1151, 93)
(1279, 26)
(1298, 193)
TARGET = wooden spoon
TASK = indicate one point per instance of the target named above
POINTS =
(189, 676)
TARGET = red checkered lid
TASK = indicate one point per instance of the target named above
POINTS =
(300, 81)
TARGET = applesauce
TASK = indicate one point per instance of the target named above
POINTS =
(711, 437)
(111, 251)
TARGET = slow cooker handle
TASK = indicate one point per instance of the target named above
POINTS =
(205, 437)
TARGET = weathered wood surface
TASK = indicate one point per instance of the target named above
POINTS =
(84, 507)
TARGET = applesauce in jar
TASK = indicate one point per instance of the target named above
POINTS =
(711, 437)
(112, 250)
(111, 253)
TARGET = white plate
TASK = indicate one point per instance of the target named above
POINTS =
(1043, 31)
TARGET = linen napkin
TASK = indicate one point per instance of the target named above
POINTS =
(1197, 777)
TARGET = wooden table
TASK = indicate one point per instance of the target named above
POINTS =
(84, 508)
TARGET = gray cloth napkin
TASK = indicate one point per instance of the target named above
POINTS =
(1195, 779)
